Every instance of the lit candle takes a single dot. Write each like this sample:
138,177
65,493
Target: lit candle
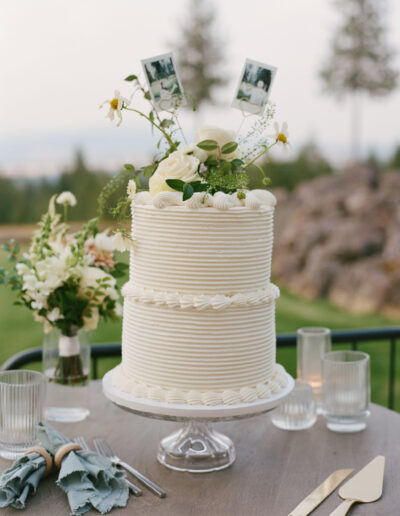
312,344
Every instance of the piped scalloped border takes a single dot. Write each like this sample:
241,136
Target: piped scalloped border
254,199
200,301
262,390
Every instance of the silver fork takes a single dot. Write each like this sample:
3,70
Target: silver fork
133,489
104,448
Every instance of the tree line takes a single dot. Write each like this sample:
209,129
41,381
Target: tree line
25,200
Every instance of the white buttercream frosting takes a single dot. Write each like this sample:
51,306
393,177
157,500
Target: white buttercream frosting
220,200
199,310
247,394
201,251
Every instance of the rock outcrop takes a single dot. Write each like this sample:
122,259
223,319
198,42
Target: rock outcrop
339,237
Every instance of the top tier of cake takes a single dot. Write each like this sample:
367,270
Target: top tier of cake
201,251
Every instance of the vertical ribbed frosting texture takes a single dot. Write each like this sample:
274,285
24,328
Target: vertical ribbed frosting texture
199,310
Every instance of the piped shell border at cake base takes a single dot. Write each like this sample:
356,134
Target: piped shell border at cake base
208,398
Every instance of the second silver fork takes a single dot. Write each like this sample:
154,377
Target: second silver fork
133,489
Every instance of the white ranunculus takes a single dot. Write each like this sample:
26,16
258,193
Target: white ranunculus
178,165
90,323
131,190
221,136
191,148
66,198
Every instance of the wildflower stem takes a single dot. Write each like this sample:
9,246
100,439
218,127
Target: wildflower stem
166,135
252,162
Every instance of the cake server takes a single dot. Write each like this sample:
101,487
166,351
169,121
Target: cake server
321,492
366,486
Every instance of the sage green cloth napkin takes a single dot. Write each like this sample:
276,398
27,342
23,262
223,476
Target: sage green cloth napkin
21,480
90,480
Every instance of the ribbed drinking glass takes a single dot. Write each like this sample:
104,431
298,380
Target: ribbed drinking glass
298,410
346,390
22,396
312,344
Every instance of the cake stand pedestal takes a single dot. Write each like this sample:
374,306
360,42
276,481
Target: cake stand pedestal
196,447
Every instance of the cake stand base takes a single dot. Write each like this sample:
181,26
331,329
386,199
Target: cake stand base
196,448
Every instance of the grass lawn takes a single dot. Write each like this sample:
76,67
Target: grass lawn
18,331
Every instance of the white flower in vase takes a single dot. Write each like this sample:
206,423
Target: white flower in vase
281,134
131,189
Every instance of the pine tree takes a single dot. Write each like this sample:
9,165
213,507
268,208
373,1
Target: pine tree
200,53
360,60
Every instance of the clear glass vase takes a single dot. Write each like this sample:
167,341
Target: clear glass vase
66,364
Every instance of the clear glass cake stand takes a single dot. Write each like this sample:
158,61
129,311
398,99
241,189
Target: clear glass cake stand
196,447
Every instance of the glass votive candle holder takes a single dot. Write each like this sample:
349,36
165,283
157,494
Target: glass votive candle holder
346,390
312,344
298,410
22,394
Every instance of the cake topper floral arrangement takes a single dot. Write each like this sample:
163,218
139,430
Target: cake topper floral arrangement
219,159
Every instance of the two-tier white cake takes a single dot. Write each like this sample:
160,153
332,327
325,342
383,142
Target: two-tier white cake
199,308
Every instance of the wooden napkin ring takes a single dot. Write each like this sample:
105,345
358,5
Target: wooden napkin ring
45,454
62,452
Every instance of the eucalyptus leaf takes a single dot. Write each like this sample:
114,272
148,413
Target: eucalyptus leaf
229,147
207,145
147,95
148,171
131,78
188,191
237,162
129,166
176,184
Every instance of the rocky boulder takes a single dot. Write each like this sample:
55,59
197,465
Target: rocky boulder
339,237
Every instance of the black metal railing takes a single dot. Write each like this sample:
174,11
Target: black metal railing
351,337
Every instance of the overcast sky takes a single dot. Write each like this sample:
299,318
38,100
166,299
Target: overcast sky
61,58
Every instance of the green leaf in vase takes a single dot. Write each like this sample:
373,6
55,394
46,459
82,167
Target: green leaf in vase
207,145
229,147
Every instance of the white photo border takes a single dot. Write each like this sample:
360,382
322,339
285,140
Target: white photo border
244,105
144,62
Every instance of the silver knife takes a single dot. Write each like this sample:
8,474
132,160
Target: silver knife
321,492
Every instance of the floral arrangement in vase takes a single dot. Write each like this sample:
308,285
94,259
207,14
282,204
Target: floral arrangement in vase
218,161
68,282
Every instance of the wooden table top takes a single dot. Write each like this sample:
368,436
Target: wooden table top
273,472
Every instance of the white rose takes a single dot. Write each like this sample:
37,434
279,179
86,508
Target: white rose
178,165
131,190
221,136
120,243
54,315
104,242
66,198
90,323
195,151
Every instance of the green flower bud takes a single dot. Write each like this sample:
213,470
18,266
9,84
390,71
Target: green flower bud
266,181
241,196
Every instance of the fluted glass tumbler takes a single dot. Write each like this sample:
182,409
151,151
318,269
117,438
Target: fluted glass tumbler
312,344
346,390
22,395
298,410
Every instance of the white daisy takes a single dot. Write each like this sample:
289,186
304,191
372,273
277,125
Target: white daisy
281,134
116,105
